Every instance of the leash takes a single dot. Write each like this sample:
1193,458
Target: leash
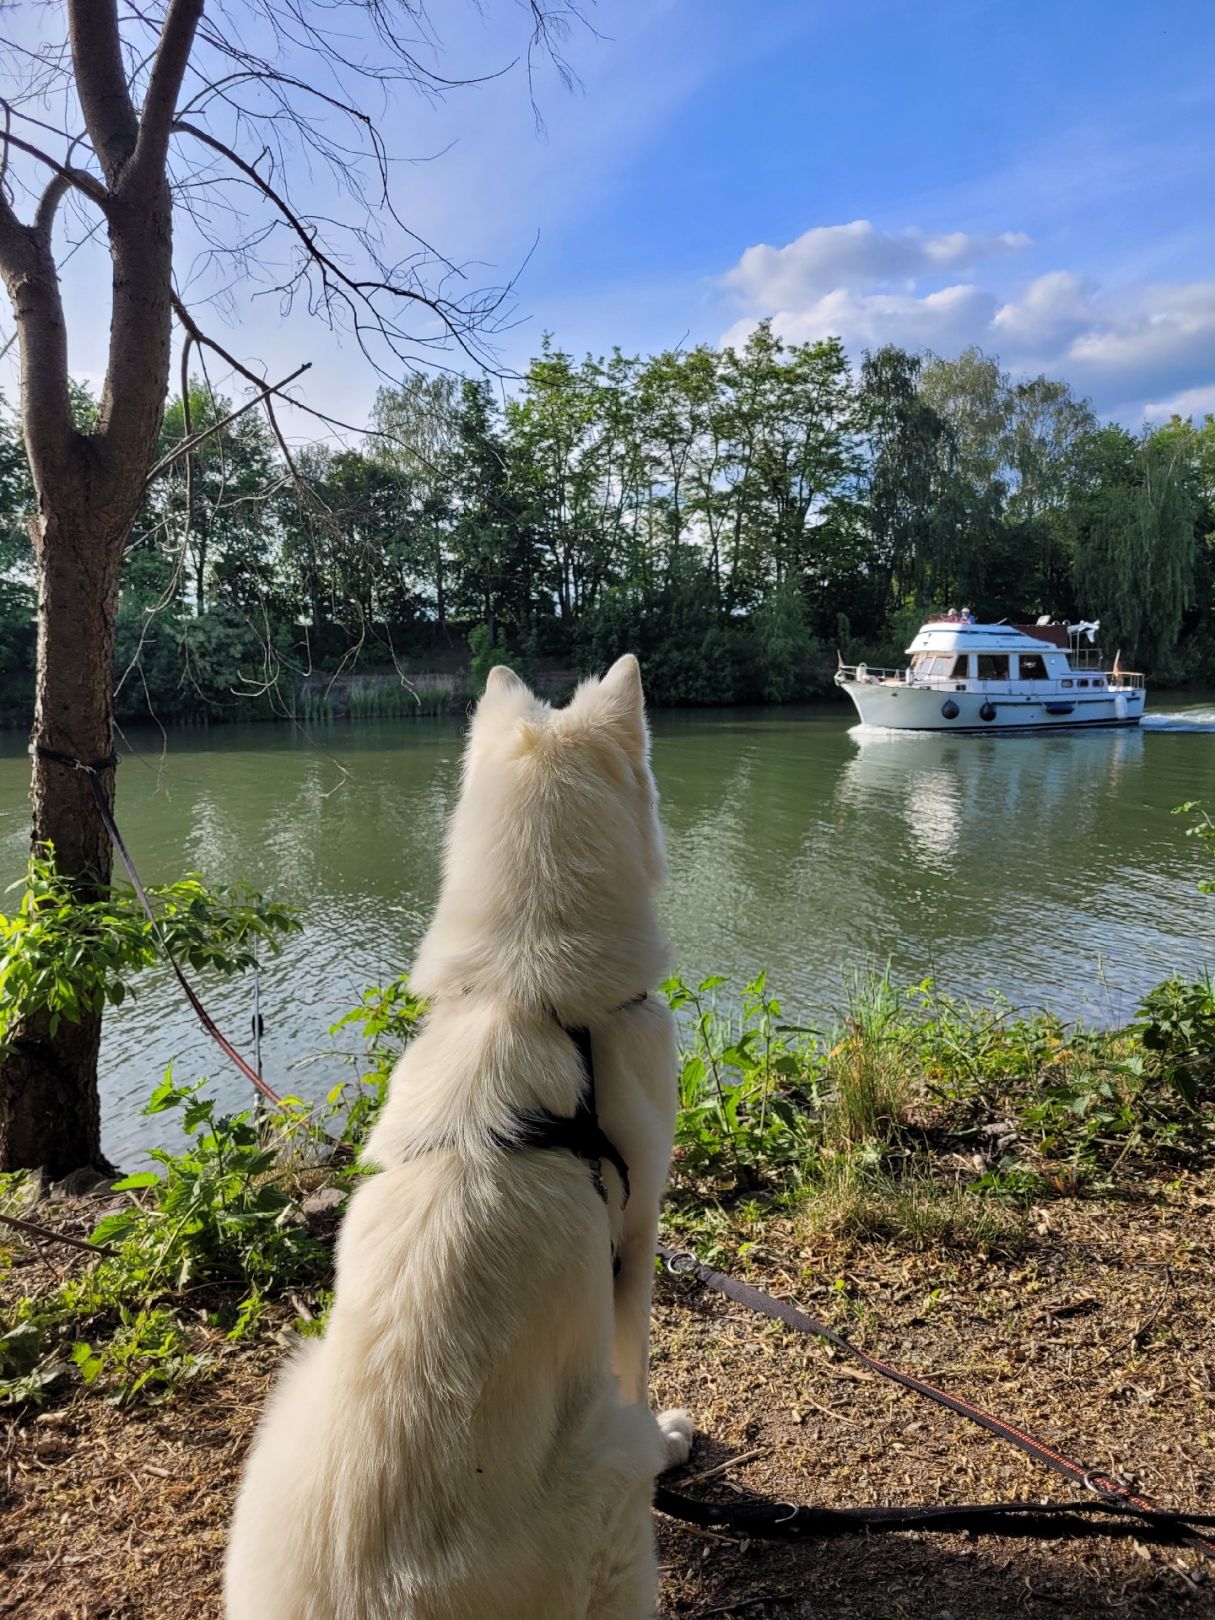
93,770
1118,1510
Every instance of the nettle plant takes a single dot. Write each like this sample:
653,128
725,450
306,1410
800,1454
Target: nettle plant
744,1089
386,1018
65,956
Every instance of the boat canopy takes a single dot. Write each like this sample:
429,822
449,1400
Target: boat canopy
955,636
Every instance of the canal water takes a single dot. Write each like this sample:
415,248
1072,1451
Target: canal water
1047,869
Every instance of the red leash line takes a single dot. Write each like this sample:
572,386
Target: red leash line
780,1311
204,1017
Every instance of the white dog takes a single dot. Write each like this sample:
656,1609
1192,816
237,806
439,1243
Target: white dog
472,1439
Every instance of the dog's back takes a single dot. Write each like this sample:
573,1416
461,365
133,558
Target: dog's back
456,1447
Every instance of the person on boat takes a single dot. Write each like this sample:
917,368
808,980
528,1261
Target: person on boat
967,616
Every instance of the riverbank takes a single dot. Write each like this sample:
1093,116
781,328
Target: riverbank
1021,1211
444,690
1097,1338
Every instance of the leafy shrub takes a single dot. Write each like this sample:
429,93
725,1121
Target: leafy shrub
1202,827
216,1212
64,954
1177,1026
223,1213
386,1018
743,1089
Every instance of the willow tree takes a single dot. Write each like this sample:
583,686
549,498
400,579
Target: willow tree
120,120
1134,546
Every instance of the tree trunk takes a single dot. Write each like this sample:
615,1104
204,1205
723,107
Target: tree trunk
50,1115
89,487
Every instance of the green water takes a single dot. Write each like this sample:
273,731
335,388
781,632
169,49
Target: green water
1046,868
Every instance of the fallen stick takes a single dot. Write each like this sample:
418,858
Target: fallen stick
49,1236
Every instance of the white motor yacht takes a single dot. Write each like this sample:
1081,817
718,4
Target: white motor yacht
965,676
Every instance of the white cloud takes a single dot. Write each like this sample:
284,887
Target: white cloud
948,319
855,255
1196,402
1152,330
1124,346
1052,309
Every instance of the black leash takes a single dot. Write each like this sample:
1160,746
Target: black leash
1047,1521
1118,1509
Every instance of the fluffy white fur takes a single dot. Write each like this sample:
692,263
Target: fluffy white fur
472,1439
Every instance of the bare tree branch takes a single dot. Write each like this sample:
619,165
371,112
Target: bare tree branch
67,176
204,340
193,440
164,85
101,82
14,239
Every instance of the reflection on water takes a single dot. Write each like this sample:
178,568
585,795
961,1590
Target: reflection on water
946,788
1048,868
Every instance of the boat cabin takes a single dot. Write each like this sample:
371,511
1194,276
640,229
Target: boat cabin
987,652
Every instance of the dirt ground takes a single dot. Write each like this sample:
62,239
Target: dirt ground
1099,1339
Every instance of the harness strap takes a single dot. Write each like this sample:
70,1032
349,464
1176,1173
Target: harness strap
579,1133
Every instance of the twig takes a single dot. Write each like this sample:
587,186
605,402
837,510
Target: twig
745,1603
1145,1322
721,1468
46,1233
196,439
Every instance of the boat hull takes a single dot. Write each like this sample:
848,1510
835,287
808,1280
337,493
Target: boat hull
899,707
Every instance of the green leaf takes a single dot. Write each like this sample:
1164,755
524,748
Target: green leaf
141,1178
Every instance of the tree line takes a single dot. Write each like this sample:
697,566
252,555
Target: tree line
735,516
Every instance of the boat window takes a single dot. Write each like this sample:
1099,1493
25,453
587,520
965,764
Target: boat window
1067,683
1033,667
958,672
930,665
991,666
1098,680
1082,683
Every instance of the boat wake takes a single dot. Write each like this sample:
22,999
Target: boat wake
1196,720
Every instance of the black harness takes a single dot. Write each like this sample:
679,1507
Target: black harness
579,1133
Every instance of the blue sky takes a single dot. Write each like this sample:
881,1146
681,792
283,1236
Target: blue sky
1031,177
1054,161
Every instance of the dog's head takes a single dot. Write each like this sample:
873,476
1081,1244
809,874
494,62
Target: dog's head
554,851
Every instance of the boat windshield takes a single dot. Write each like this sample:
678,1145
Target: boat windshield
928,666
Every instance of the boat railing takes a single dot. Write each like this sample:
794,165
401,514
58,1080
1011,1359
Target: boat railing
870,675
877,675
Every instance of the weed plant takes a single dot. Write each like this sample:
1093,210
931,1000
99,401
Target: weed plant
915,1120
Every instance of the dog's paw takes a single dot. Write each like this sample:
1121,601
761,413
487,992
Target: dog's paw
677,1429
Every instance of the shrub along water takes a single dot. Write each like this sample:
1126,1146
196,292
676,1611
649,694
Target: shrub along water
916,1120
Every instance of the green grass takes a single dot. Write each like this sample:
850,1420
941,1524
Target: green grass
382,698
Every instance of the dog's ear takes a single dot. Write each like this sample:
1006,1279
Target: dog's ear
621,700
503,682
506,697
